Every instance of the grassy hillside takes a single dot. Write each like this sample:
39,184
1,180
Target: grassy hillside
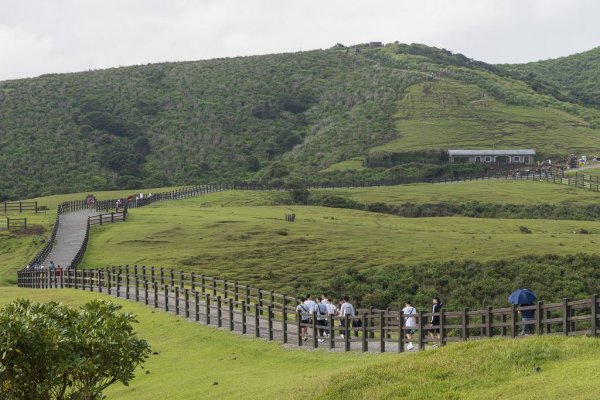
199,362
576,76
449,114
268,118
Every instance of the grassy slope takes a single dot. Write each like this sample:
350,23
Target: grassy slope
576,75
497,192
449,114
192,358
254,244
534,368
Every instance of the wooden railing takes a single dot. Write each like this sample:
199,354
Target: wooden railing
270,315
18,206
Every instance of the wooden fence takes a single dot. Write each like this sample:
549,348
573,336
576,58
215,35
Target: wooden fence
14,224
270,315
18,206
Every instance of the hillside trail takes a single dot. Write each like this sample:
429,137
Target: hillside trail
69,237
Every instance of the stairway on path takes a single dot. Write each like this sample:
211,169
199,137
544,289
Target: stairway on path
69,237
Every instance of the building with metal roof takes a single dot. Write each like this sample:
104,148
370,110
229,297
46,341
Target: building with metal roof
516,156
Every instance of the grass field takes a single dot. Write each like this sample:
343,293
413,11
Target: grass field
492,191
196,362
254,244
447,114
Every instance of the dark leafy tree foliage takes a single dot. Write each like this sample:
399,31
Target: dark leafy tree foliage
51,351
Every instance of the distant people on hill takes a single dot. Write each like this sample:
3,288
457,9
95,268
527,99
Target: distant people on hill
409,323
302,311
434,333
90,201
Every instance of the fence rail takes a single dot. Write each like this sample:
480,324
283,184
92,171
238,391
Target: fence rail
272,316
14,224
18,206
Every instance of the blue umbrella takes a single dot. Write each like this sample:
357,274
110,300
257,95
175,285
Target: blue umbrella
522,296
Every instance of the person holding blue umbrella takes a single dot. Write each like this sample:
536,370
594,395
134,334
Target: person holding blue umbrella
524,298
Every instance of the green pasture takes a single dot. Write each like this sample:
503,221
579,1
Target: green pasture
196,362
255,244
352,164
447,114
489,191
588,172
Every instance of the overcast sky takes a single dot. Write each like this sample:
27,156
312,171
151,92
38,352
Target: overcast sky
43,36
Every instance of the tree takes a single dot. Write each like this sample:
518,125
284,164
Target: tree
51,351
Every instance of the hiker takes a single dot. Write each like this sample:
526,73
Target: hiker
322,318
345,309
409,323
303,311
311,306
59,270
331,310
434,333
51,266
527,316
118,205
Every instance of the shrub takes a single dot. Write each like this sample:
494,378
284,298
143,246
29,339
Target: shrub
524,229
51,351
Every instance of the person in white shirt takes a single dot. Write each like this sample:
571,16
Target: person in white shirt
409,323
345,309
310,304
302,311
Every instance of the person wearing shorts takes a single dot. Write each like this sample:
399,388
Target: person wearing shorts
303,314
434,333
409,323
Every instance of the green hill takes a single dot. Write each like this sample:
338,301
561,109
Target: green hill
271,118
575,77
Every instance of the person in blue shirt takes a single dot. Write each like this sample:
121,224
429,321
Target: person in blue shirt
527,316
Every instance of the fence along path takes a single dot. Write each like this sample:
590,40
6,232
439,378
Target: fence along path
380,330
271,316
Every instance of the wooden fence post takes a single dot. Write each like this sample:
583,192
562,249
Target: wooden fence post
166,293
243,317
566,315
197,305
155,286
270,320
400,331
314,329
513,321
256,320
364,321
299,323
346,333
146,292
421,331
283,317
489,322
219,312
207,299
330,325
539,327
594,312
231,326
176,300
186,297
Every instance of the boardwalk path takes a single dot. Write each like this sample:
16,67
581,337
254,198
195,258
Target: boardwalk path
69,237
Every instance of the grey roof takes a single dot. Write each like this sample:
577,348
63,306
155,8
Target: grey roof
520,152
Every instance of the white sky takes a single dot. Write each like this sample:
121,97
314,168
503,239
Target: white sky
43,36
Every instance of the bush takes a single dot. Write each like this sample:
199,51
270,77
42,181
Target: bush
51,351
524,229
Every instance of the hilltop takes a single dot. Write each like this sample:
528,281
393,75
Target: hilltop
275,118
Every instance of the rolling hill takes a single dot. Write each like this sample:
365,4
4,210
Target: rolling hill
273,118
